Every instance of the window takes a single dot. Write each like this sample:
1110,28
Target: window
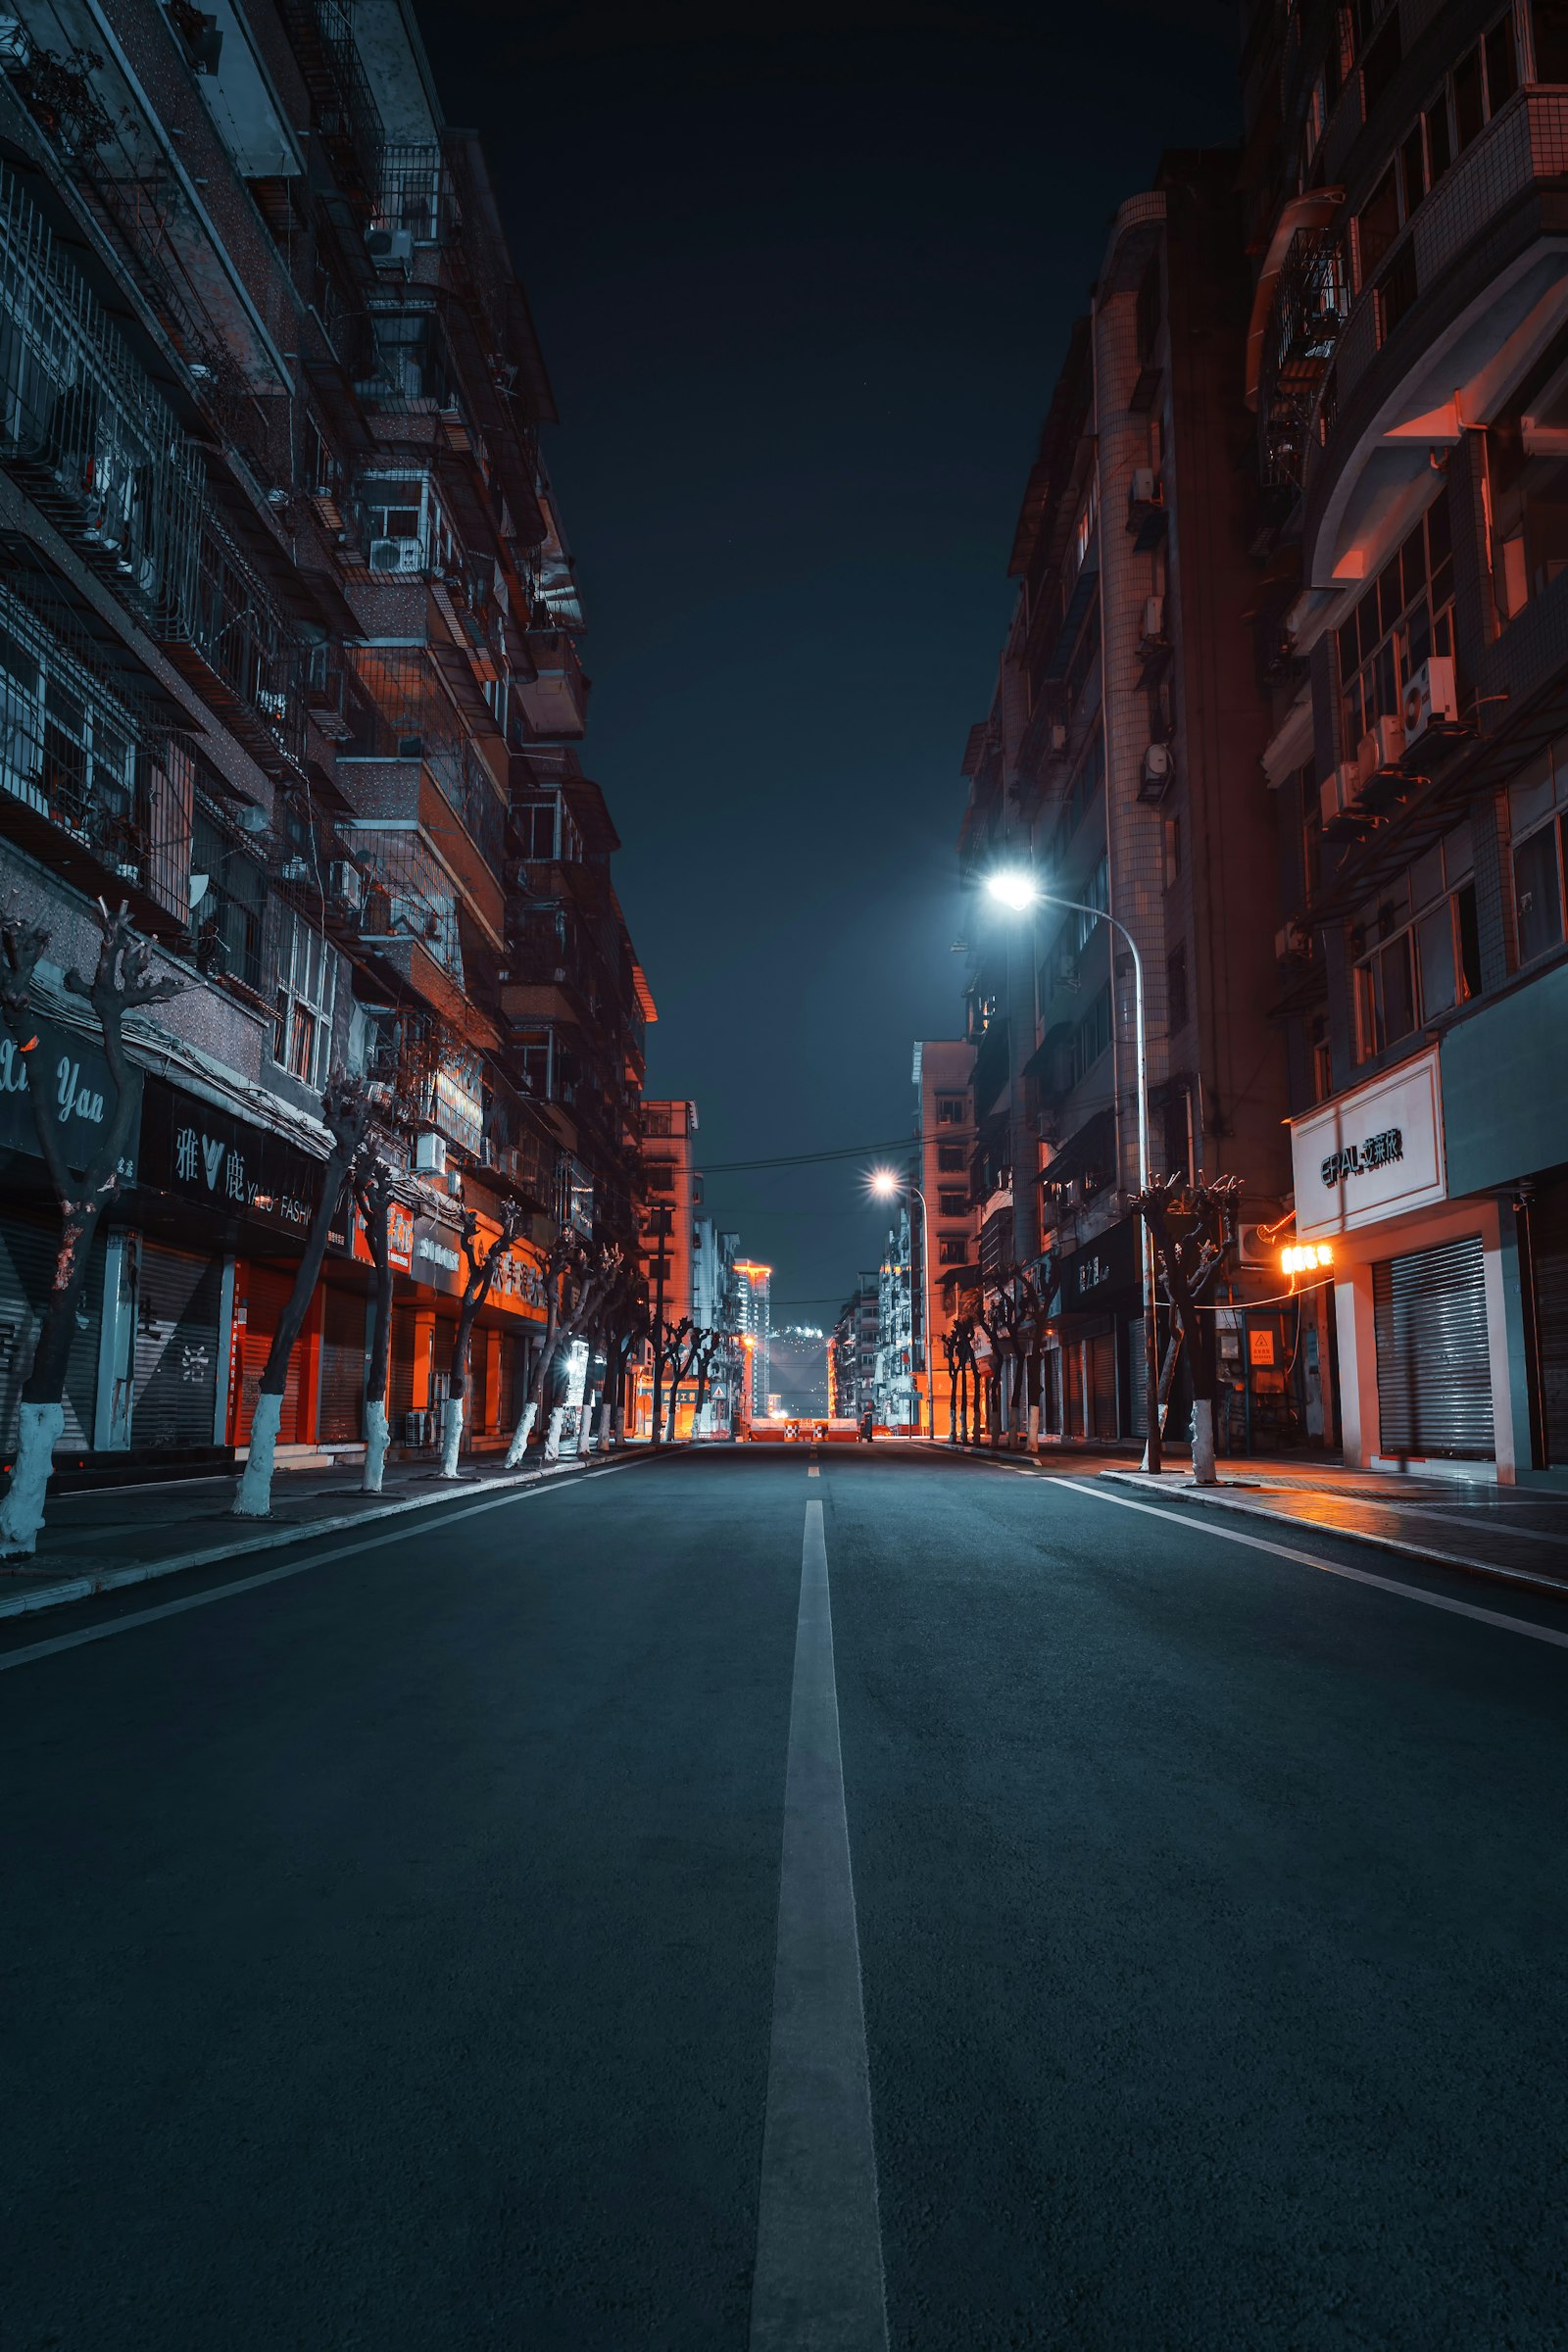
1549,25
1414,970
1321,1055
950,1158
1537,871
1381,62
306,990
1091,1036
1377,225
1173,851
1527,484
1176,989
952,1249
1404,617
949,1110
1094,893
1469,110
228,913
952,1204
1086,778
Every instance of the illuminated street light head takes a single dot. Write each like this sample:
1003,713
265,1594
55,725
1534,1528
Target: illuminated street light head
1014,888
884,1183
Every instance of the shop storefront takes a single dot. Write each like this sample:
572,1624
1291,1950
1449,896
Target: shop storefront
1098,1329
1418,1278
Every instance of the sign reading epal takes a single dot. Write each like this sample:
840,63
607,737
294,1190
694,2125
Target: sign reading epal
1372,1154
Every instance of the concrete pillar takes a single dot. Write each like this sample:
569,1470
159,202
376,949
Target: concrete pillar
117,1345
490,1340
1359,1366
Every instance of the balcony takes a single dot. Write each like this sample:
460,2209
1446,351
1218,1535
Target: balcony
1465,301
555,701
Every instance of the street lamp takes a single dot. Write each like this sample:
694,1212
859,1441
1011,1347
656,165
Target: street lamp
886,1185
1015,888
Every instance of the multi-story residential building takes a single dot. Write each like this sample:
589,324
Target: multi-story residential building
287,662
944,1240
1119,763
853,1352
1408,362
896,1402
715,1310
753,1327
670,1188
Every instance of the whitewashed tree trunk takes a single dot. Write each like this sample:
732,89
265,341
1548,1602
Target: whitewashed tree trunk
1203,1471
21,1512
1033,1429
521,1436
254,1499
377,1438
451,1435
585,1432
558,1414
606,1415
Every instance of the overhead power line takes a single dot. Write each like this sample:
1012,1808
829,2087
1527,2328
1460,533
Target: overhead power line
802,1160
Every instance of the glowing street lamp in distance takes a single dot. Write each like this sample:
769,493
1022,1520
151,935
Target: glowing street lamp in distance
1015,888
884,1183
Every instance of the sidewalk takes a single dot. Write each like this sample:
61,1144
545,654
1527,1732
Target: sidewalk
102,1539
1515,1534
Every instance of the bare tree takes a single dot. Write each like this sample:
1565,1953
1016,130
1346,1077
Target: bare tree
372,1190
709,1345
346,1112
675,1353
475,1291
1187,1261
560,1259
122,981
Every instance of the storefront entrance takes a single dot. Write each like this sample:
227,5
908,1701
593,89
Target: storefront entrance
1433,1362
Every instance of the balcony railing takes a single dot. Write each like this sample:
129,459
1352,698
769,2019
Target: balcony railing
1311,302
415,192
347,118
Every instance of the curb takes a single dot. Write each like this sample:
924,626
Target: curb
1492,1570
146,1572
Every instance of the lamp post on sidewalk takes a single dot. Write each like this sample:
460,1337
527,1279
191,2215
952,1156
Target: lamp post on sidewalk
1015,888
886,1185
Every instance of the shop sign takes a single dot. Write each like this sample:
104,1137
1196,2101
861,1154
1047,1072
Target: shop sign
77,1086
1374,1154
437,1259
399,1239
194,1152
1106,1275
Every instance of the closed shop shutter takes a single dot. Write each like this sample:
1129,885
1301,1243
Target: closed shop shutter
1103,1377
29,1248
266,1291
480,1383
175,1381
1434,1368
400,1372
343,1340
1548,1239
1072,1357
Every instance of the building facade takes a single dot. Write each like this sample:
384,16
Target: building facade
289,631
753,1329
1119,766
1407,362
894,1393
945,1238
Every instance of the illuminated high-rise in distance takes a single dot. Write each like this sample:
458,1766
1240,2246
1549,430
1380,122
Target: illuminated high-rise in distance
752,1285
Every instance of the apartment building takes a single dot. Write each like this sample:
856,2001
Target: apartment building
852,1354
1407,362
288,663
945,1237
754,1330
1119,769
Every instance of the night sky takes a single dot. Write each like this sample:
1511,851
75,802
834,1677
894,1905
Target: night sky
803,276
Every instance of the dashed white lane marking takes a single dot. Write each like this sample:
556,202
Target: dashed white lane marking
388,1533
813,1471
817,2280
1307,1559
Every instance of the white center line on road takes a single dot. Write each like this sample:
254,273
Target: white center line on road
1307,1559
813,1471
817,2282
388,1533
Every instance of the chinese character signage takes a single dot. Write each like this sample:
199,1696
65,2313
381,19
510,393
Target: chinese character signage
74,1080
197,1153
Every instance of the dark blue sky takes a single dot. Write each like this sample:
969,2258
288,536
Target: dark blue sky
802,288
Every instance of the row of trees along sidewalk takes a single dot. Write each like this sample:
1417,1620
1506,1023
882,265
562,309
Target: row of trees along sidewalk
592,1291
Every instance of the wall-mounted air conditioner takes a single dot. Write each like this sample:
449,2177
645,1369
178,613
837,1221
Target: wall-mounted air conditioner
1158,773
1339,792
346,884
1145,489
1382,745
1428,698
1154,620
430,1153
390,248
397,554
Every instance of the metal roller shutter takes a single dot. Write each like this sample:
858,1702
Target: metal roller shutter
1102,1375
1548,1238
29,1248
1434,1369
343,1345
266,1294
174,1375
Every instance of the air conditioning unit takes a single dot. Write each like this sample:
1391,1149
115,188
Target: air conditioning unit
1428,698
1058,739
397,554
1383,746
1145,489
1158,773
1154,620
1289,942
430,1153
346,884
249,819
294,869
390,248
1256,1246
1339,792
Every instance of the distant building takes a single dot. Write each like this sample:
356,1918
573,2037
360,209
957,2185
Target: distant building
949,1242
853,1352
798,1358
666,1230
751,1324
893,1384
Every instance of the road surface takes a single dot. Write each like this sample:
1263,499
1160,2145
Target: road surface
741,1900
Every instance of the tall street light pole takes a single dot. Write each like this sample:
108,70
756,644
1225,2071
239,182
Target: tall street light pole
886,1185
1020,891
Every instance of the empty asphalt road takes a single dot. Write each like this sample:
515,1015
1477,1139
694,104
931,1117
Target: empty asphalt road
738,1900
